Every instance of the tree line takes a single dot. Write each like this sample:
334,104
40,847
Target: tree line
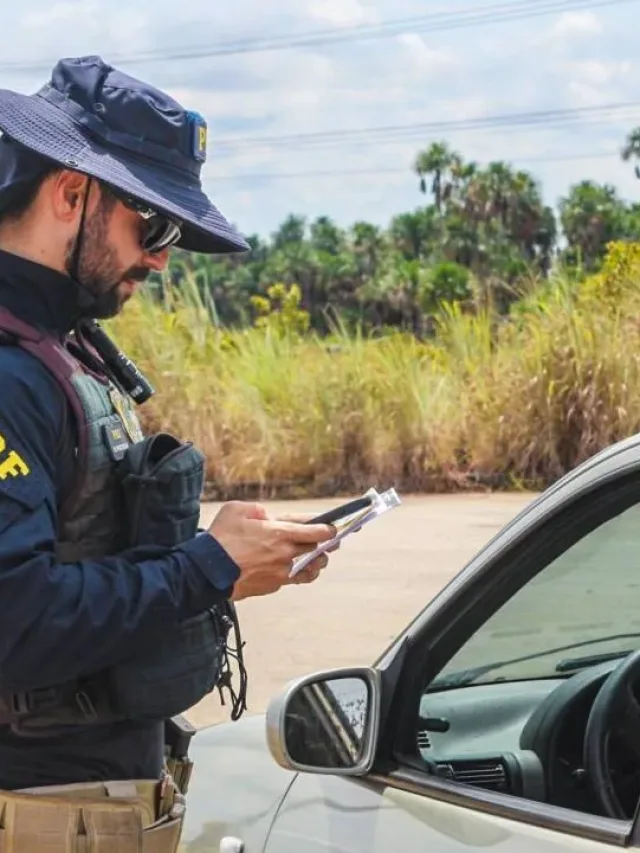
483,235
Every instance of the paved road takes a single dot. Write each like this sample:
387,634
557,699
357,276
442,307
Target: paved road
374,586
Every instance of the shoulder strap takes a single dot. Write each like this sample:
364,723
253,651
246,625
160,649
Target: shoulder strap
61,364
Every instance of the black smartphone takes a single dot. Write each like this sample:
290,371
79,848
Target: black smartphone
342,511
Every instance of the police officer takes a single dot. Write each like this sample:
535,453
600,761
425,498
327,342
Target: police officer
99,177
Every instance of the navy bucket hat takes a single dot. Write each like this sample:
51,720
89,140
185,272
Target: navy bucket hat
94,119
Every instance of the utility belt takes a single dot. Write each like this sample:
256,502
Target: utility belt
132,816
139,816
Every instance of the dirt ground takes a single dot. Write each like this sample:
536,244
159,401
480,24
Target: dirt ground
373,587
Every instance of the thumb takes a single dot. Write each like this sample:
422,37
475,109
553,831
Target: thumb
255,511
243,509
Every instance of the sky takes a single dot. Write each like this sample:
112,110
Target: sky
581,53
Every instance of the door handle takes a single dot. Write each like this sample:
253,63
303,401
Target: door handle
230,844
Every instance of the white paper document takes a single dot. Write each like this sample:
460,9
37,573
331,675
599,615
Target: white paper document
381,503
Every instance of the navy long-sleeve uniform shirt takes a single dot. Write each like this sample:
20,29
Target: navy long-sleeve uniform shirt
60,621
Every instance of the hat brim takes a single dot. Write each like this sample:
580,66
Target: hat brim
41,127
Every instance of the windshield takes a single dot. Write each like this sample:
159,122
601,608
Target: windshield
584,604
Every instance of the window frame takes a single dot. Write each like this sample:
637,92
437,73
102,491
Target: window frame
432,641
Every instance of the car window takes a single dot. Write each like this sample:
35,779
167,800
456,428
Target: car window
585,603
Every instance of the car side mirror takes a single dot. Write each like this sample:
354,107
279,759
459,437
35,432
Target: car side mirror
327,722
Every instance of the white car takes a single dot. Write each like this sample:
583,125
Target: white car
505,717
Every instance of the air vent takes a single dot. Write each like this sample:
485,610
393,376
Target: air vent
423,740
490,773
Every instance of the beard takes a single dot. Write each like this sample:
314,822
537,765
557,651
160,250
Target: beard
100,294
99,276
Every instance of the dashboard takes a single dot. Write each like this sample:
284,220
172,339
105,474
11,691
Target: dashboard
524,738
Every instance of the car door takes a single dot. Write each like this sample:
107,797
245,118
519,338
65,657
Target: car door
335,815
564,576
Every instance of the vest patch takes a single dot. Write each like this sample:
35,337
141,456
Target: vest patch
122,406
11,463
115,439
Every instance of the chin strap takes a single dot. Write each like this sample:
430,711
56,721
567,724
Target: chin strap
85,298
74,272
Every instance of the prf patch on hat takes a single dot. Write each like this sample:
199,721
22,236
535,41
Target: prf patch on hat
199,137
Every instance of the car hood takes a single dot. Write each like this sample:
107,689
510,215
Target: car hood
235,783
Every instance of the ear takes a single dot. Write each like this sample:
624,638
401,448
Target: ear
68,190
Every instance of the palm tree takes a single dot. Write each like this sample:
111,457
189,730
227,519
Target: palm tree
415,234
591,216
291,231
367,244
631,149
438,160
326,236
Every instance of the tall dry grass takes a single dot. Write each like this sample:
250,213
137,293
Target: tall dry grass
515,402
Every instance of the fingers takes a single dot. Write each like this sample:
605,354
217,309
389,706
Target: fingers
244,509
265,549
256,510
295,517
301,550
311,572
307,576
309,534
293,550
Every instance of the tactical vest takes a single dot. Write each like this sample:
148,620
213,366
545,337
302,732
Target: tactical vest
91,520
104,513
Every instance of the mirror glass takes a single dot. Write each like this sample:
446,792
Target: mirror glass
327,723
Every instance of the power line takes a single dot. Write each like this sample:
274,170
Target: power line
331,173
420,140
435,22
439,22
418,137
532,120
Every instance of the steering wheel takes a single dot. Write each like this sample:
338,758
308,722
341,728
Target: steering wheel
614,706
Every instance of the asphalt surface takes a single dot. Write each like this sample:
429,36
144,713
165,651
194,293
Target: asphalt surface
373,587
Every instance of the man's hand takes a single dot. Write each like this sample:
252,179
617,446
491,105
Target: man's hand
264,549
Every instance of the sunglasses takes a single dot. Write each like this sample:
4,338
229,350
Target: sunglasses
160,230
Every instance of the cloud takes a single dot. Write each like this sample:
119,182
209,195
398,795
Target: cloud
71,27
576,23
592,82
60,13
408,79
342,13
426,58
598,72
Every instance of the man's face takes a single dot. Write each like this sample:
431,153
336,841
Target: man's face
112,263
